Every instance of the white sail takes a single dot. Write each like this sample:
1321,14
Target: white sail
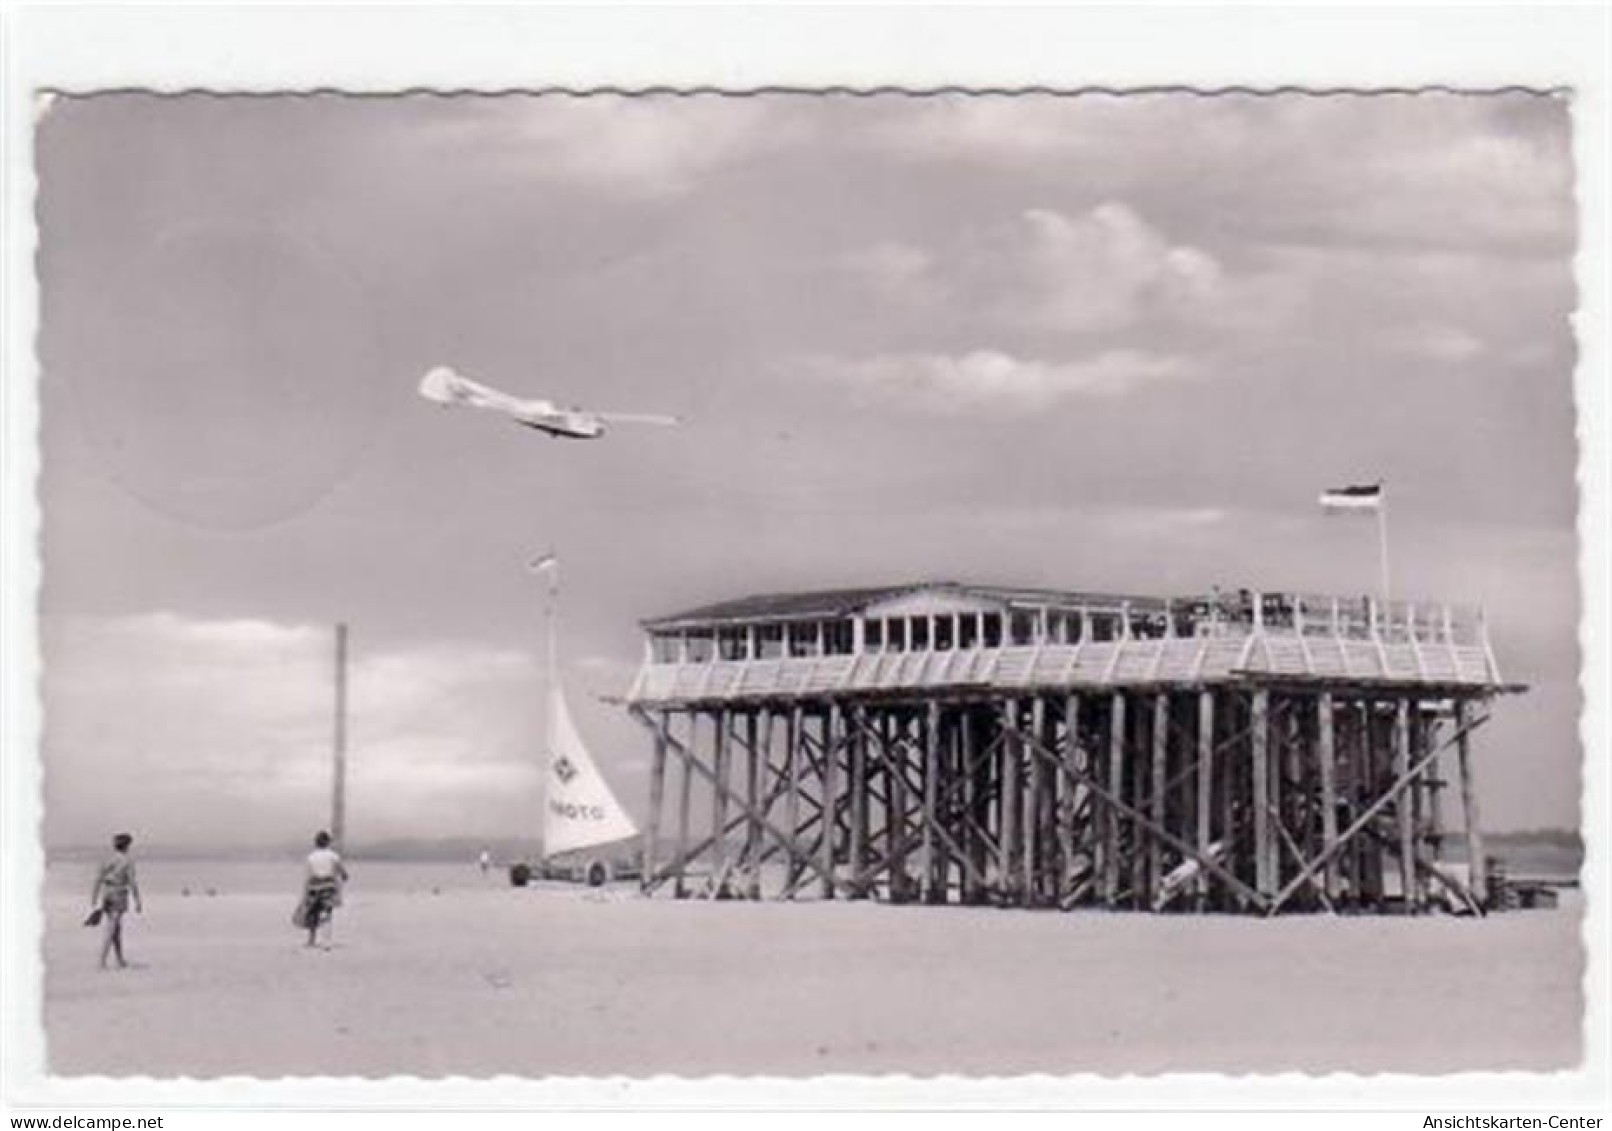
579,811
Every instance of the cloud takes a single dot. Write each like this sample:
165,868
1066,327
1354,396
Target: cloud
1443,343
1105,270
636,147
191,730
994,382
1421,170
898,271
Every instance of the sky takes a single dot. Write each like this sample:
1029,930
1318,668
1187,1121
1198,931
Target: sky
1094,342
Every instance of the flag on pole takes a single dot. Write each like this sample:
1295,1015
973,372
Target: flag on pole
1355,497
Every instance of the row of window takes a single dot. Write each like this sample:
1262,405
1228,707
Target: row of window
960,632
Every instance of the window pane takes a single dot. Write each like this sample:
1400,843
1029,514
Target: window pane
1023,627
993,630
838,637
770,641
920,633
700,647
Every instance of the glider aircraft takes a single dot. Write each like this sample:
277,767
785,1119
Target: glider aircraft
453,390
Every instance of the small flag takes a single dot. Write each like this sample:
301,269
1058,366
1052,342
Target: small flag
1353,498
543,563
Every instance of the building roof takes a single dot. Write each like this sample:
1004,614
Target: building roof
817,604
829,603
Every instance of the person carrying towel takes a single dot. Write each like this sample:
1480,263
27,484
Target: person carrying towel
115,886
321,892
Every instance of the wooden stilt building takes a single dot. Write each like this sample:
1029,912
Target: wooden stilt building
1244,751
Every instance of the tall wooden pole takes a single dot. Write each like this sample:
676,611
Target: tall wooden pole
657,794
857,737
934,862
1422,795
752,796
338,785
1008,835
1041,860
794,735
830,820
1374,745
1326,752
1206,785
894,759
1140,737
1161,739
684,800
1382,543
1404,805
719,806
1116,788
1264,882
1479,871
1435,780
1032,781
549,565
972,842
1064,814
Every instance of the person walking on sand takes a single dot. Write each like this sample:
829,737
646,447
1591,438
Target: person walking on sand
115,886
321,892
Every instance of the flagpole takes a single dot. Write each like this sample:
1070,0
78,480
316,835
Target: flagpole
551,667
1382,542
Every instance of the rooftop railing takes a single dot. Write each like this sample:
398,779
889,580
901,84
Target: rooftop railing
1235,613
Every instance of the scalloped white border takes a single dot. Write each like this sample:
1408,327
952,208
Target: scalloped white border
383,49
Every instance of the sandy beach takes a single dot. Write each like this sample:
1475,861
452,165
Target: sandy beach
437,970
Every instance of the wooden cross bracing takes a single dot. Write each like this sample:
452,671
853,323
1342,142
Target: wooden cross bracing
1241,796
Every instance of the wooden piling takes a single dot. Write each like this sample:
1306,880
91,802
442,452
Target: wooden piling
1009,807
858,798
1069,836
794,736
1116,788
1137,850
684,800
831,738
752,794
934,862
1326,753
338,778
973,796
1264,881
1403,818
1040,849
719,806
1478,881
1206,787
1158,790
650,866
893,757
